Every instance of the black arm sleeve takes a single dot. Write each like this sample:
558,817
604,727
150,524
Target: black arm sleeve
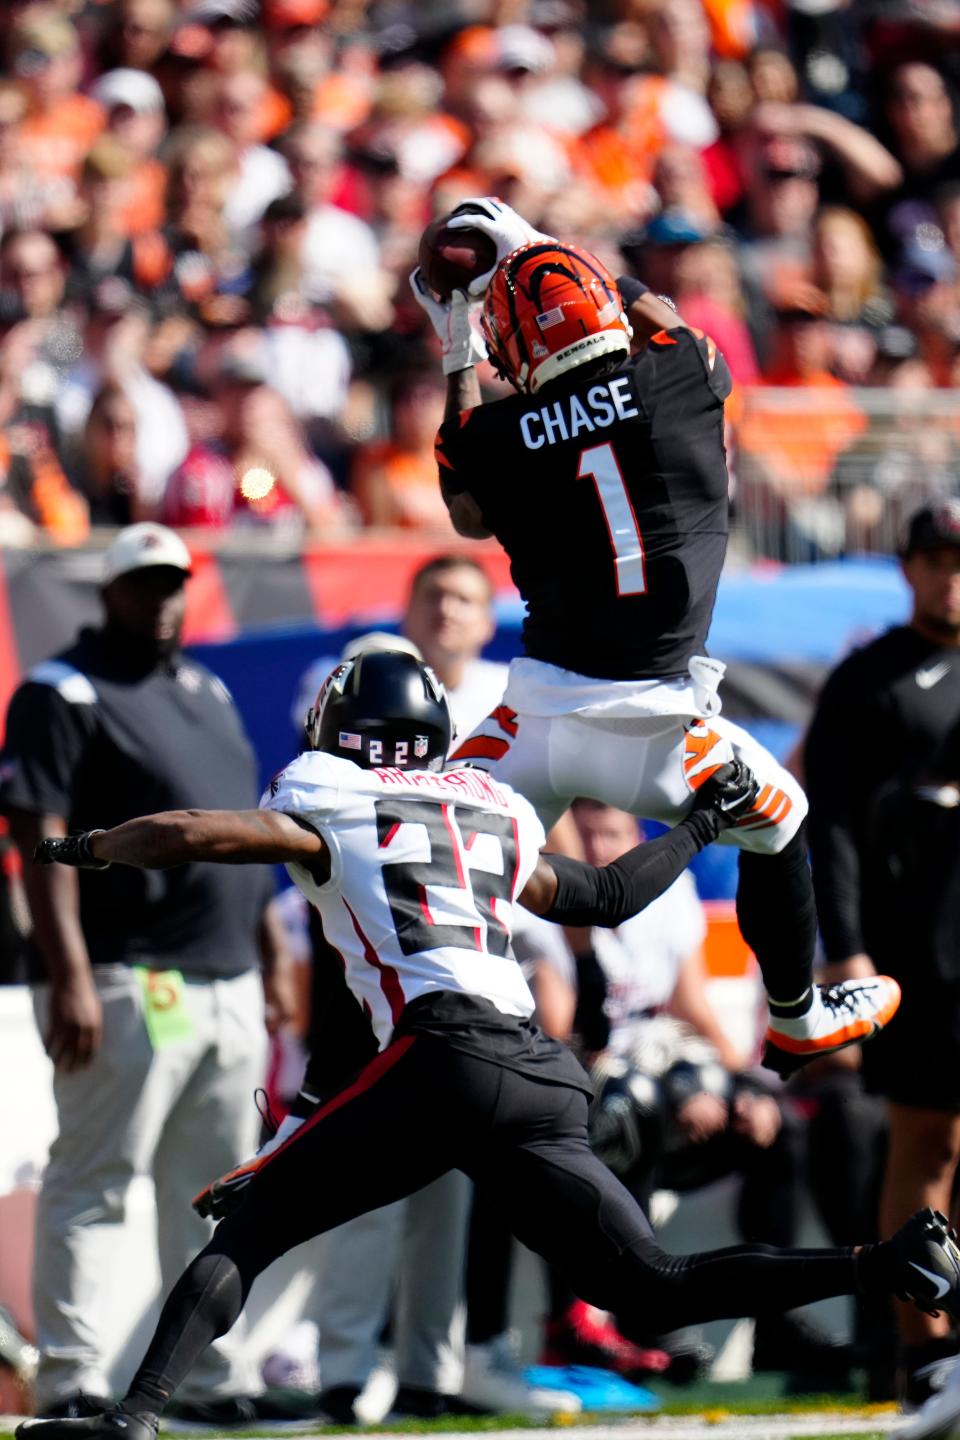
588,895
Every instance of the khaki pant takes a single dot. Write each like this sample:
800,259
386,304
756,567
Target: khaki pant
183,1114
416,1247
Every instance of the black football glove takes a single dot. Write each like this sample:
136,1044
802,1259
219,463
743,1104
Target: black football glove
730,793
70,850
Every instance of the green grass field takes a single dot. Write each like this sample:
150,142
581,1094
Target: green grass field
711,1407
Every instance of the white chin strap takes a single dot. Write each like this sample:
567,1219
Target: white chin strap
591,347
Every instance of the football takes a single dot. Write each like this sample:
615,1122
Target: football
450,259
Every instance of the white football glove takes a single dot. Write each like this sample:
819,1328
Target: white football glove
462,345
506,229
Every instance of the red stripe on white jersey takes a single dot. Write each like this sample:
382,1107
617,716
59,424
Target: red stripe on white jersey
368,1077
389,979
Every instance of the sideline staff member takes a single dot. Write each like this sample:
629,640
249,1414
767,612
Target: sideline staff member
152,1010
878,730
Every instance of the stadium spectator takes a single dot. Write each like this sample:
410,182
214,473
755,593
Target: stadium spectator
33,276
394,481
307,359
114,345
60,124
136,118
919,107
680,180
658,249
709,295
847,269
153,1065
262,174
793,447
99,246
209,264
143,32
340,255
782,196
259,468
34,491
880,725
731,100
26,198
106,471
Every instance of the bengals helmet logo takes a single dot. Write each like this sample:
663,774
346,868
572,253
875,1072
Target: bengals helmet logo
549,308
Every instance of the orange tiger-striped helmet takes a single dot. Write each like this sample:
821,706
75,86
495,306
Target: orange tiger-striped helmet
549,308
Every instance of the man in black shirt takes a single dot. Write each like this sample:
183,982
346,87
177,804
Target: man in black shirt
880,724
605,480
148,996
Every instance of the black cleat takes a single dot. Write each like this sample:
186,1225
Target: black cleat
928,1263
112,1424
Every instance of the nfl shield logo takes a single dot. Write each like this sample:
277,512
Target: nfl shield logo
420,744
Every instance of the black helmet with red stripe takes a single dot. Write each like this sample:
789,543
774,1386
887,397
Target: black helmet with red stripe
383,707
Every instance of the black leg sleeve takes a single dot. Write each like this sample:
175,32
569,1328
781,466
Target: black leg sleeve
778,917
563,1202
365,1148
203,1304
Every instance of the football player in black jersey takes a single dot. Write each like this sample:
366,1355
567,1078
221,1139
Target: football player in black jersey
604,478
462,1078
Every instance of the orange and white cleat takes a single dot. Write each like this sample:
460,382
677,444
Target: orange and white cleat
847,1014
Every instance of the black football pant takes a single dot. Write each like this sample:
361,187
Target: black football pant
421,1108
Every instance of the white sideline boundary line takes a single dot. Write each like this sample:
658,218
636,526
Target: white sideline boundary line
656,1427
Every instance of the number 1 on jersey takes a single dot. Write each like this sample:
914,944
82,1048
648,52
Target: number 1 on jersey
599,463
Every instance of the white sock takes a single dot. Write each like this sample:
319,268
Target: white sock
800,1027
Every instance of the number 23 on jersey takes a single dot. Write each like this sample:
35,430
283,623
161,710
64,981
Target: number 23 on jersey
472,852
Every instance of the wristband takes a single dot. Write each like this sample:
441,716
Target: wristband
631,288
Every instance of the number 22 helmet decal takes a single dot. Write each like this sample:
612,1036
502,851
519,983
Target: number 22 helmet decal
384,707
548,309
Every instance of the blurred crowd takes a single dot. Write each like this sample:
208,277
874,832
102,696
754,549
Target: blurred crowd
209,210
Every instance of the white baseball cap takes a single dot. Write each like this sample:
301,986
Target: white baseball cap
378,640
136,89
140,546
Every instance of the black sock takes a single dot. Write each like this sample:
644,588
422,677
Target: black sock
914,1357
877,1269
778,919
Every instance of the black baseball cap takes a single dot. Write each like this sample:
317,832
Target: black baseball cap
933,525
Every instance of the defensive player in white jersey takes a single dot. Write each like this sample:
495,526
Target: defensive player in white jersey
414,871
